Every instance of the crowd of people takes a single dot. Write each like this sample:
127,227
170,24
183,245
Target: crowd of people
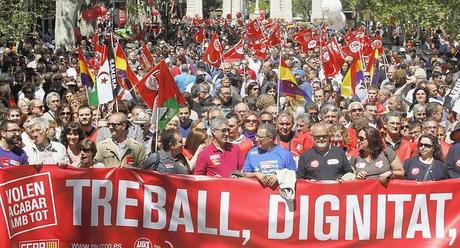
236,122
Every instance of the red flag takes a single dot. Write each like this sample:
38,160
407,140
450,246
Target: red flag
125,75
145,57
199,36
329,65
259,49
213,55
353,49
275,37
148,86
377,44
235,53
336,52
253,30
303,36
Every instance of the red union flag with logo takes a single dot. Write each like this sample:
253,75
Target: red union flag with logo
213,55
118,207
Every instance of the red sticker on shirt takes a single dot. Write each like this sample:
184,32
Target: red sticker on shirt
129,160
415,171
379,164
314,163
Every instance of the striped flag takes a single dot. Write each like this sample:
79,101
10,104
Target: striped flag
352,78
125,76
87,77
288,84
373,67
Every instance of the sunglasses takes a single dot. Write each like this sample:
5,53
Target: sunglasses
357,110
425,145
320,137
252,121
360,138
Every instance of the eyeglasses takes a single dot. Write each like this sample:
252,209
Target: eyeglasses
360,138
252,121
115,124
425,145
404,127
65,113
266,121
13,130
357,110
224,130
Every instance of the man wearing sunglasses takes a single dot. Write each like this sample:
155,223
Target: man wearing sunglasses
323,161
221,157
119,150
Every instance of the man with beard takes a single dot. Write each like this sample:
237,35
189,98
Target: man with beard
323,161
85,117
10,153
221,157
185,123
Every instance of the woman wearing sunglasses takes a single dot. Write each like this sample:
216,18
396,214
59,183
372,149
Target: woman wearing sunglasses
427,165
374,160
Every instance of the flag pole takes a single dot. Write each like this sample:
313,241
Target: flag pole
87,95
279,82
155,114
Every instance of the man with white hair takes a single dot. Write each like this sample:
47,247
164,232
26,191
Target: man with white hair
221,157
53,101
43,150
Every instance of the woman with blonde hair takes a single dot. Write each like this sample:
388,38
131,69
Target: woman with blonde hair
339,137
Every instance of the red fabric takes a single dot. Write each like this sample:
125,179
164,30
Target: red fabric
145,57
235,53
213,55
199,36
245,146
445,149
353,142
406,150
253,30
135,208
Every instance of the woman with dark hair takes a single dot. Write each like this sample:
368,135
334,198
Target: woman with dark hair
420,95
71,136
169,158
272,90
88,151
253,89
376,161
63,118
195,143
427,165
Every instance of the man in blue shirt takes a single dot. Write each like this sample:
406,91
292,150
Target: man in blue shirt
184,79
263,161
10,153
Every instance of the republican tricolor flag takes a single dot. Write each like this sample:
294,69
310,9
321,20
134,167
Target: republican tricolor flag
87,77
288,84
352,78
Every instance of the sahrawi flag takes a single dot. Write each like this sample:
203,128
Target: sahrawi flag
102,92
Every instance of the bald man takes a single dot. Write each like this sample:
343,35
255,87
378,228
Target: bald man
323,161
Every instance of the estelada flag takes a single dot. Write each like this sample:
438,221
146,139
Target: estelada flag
235,53
146,57
199,36
213,54
253,30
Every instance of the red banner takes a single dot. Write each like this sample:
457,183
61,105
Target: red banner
116,208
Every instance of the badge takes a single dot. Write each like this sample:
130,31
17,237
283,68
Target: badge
360,165
333,161
299,147
169,166
129,160
457,163
379,164
215,159
415,171
314,163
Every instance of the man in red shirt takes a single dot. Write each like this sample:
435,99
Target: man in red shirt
393,138
221,157
288,139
